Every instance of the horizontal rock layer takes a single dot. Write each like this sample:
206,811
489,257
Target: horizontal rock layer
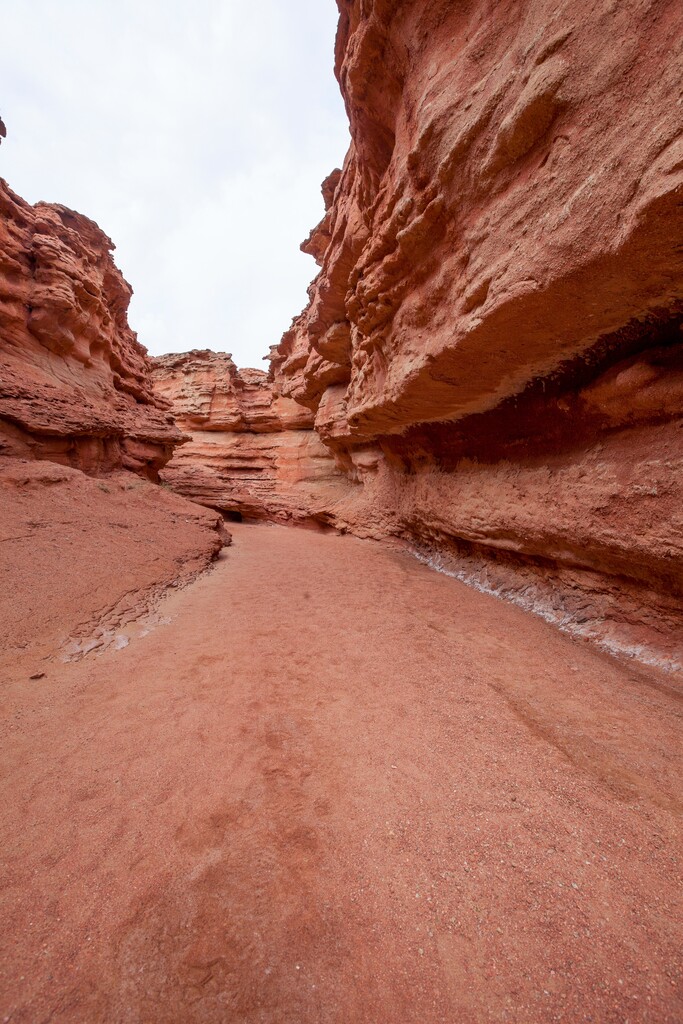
511,197
75,385
493,344
252,453
492,349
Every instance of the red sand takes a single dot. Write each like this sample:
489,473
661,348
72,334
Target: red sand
339,787
81,556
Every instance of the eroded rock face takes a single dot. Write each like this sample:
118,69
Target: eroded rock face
75,385
85,558
253,453
511,196
493,343
492,348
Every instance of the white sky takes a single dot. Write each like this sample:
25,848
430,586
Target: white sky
196,134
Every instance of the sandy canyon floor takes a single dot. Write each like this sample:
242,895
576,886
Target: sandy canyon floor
331,785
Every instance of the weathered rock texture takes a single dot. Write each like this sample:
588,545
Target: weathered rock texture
510,198
253,453
492,348
75,385
80,557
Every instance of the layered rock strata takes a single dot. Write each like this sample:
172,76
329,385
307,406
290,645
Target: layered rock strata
82,558
253,454
493,344
75,385
510,199
492,348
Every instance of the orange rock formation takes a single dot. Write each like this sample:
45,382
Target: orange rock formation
74,381
492,347
333,786
80,557
253,452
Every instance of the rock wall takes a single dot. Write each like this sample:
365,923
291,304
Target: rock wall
82,558
492,349
253,454
75,383
510,200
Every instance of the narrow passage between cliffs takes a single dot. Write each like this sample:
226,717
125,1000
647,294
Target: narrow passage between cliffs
338,787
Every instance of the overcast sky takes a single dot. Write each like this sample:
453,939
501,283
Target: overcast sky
196,135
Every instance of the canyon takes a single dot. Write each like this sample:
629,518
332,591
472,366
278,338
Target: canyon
82,439
265,774
252,453
490,367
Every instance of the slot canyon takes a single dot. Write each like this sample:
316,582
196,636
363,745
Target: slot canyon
350,690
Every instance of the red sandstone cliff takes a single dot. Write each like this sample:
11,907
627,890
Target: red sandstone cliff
82,558
511,198
492,347
252,452
75,385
